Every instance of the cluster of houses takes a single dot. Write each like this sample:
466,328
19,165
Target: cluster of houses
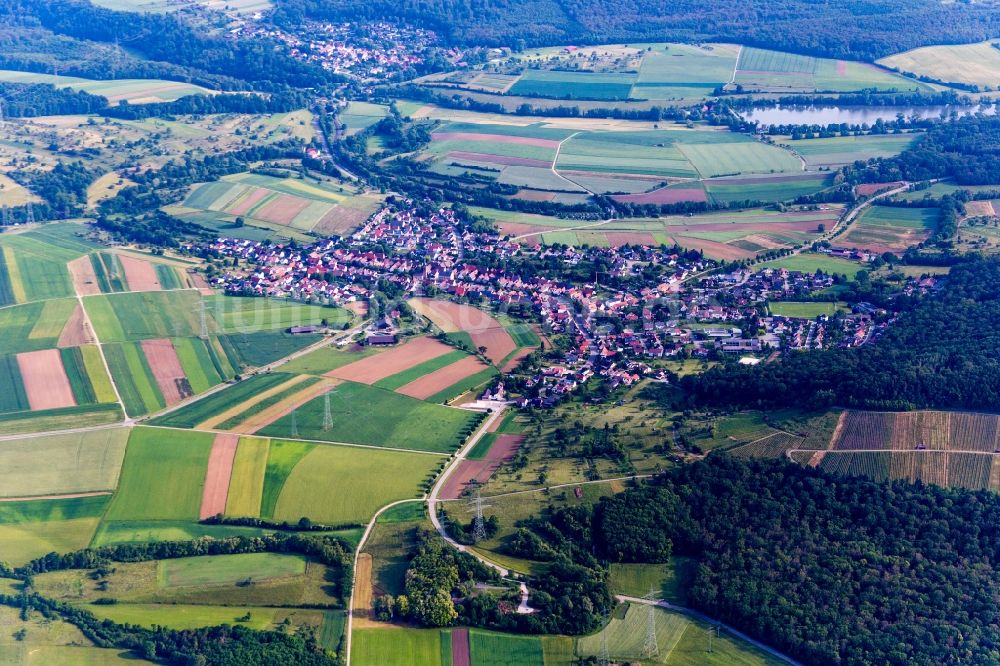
615,333
363,50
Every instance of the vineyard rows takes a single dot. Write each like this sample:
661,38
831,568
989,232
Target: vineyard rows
907,431
870,465
975,471
768,447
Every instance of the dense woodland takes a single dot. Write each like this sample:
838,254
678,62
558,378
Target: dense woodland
831,570
860,29
967,150
942,351
166,38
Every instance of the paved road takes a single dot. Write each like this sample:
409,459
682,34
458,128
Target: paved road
704,618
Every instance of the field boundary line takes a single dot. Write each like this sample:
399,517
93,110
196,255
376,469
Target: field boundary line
104,360
57,496
736,65
963,451
555,162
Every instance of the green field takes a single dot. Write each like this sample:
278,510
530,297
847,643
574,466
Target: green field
573,85
193,414
398,647
33,326
370,415
488,648
667,581
804,310
145,531
325,359
34,528
680,639
134,91
246,485
893,216
62,464
134,378
394,382
810,262
841,150
970,64
179,616
163,475
341,484
282,457
761,69
227,569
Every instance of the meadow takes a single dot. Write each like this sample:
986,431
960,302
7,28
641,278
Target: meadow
368,415
285,206
133,91
810,262
30,529
162,477
680,640
339,484
889,229
841,150
62,464
399,647
227,569
969,64
804,310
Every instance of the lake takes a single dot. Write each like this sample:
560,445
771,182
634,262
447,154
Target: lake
853,115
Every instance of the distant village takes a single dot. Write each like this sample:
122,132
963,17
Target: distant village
361,50
620,335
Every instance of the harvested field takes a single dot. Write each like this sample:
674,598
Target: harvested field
435,382
270,387
484,330
497,341
496,138
372,369
217,475
140,275
282,210
363,585
467,472
453,317
516,359
45,381
81,271
460,654
77,331
979,209
167,370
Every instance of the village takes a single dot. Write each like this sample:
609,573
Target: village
648,306
365,51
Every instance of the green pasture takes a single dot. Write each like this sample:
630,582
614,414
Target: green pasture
370,415
810,262
804,310
227,569
836,151
147,531
342,484
163,475
63,463
398,647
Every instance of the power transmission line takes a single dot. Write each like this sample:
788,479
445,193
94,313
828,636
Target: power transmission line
651,649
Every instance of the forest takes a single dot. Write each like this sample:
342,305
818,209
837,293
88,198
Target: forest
967,150
942,351
166,38
829,570
856,29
